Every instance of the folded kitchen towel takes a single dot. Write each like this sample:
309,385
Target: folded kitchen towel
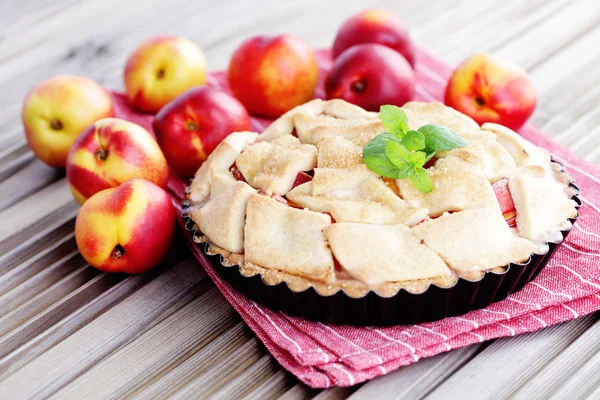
323,355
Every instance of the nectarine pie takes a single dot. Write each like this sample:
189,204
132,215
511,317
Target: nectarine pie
336,198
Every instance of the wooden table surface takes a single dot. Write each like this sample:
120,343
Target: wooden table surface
69,331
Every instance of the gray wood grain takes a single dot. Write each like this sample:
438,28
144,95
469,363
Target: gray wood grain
504,366
581,357
196,324
416,380
66,329
37,345
118,326
222,371
197,364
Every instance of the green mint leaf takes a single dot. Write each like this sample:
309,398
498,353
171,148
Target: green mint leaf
439,137
380,164
429,157
377,160
418,158
377,145
398,154
394,119
420,178
414,140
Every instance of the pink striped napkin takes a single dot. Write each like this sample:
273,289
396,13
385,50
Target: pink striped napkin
323,355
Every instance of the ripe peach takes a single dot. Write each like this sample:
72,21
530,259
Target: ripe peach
375,26
190,127
162,68
271,75
491,90
128,228
57,110
371,75
110,152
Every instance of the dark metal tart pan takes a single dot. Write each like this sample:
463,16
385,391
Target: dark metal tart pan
403,308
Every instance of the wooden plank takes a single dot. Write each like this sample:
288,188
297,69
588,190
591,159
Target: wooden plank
198,363
46,201
490,31
582,383
416,380
565,99
36,241
299,392
19,16
120,325
59,331
64,249
273,387
337,393
251,378
38,283
578,358
45,298
222,371
36,174
16,158
196,324
57,311
553,34
507,364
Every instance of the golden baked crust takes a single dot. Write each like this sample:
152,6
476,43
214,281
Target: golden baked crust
458,185
273,166
474,240
346,228
222,217
540,207
287,239
376,254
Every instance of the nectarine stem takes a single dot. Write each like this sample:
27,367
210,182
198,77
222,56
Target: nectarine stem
56,125
191,126
160,74
101,154
359,86
479,101
118,252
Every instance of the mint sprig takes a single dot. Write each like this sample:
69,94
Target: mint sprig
401,153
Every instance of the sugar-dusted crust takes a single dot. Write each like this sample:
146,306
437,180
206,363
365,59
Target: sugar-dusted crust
348,228
540,207
272,166
287,239
472,240
350,287
458,185
392,250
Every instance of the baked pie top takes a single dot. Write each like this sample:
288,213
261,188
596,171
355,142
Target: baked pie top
298,204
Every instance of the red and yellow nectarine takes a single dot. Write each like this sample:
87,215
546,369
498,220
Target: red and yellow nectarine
128,228
488,89
371,75
272,75
110,152
190,127
57,110
162,68
375,26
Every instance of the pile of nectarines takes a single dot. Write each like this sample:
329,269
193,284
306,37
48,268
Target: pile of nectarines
118,170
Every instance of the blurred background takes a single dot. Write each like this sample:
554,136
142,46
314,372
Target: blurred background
554,40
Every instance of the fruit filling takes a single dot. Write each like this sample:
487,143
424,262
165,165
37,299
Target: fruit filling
236,173
301,178
505,200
